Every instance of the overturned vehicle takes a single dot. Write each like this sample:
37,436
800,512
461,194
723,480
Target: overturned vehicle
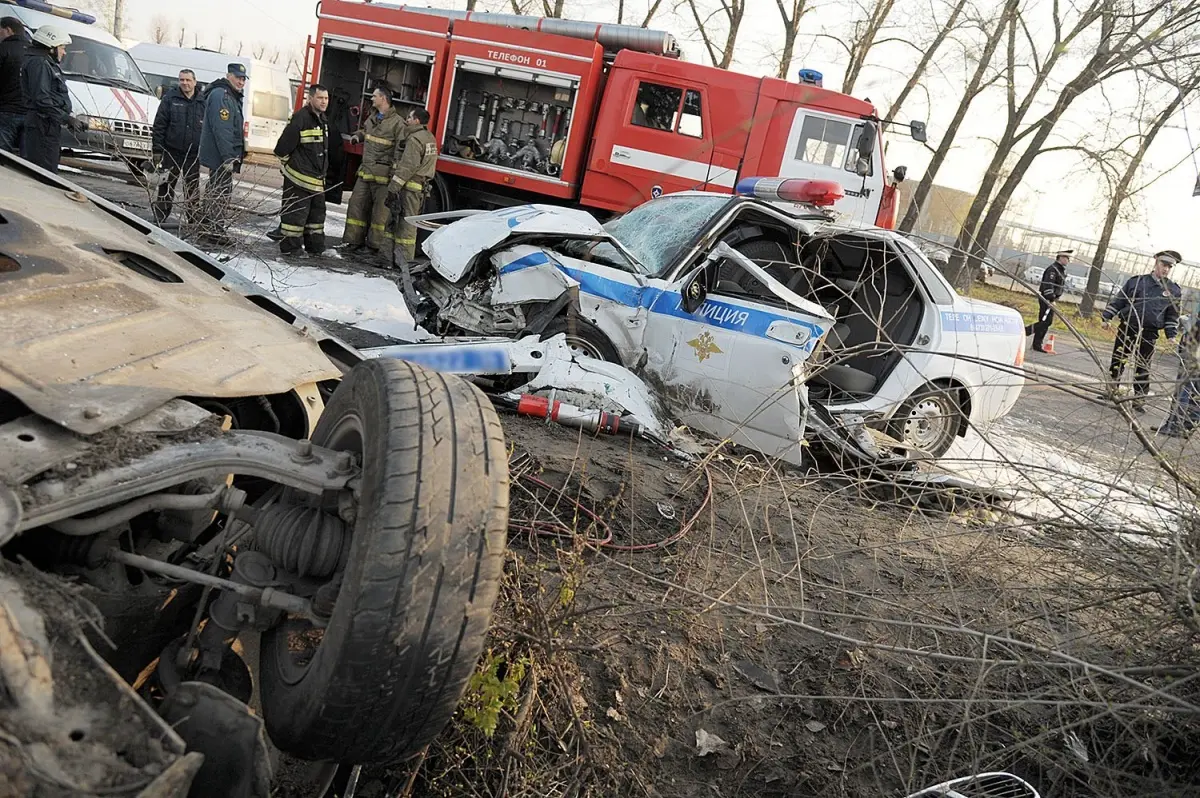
730,305
229,545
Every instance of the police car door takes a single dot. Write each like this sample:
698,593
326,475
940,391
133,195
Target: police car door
731,365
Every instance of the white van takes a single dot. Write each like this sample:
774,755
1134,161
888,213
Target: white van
267,105
107,88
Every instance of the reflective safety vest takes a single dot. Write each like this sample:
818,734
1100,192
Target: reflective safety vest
303,149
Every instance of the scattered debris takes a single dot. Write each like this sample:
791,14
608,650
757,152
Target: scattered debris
708,743
815,726
758,676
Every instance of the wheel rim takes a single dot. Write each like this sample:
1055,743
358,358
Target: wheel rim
582,346
931,423
300,638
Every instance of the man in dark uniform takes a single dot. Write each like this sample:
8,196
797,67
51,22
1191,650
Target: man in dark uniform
303,149
46,97
222,146
1147,304
1054,280
13,45
176,146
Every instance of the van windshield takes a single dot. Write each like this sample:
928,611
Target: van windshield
96,62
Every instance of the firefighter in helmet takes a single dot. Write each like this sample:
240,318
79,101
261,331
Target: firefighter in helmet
367,215
414,167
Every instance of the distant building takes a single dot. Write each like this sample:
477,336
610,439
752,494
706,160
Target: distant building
943,212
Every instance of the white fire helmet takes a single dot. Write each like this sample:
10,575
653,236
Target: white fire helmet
51,37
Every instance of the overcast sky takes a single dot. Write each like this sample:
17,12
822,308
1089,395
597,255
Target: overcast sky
1049,198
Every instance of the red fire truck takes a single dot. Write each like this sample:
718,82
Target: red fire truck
527,109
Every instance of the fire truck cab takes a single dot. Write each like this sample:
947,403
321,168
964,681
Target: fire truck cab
601,116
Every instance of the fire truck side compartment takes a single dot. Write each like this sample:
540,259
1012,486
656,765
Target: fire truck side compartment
527,110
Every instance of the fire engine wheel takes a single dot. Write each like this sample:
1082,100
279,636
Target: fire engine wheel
930,419
583,338
383,677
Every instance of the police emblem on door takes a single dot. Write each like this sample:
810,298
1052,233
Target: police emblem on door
705,346
656,192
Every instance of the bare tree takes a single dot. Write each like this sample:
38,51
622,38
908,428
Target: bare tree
182,35
195,40
259,50
650,13
221,42
732,12
241,46
160,29
790,12
1129,38
1124,189
975,86
918,72
863,35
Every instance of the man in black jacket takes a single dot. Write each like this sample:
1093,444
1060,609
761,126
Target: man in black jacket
176,144
1147,304
13,44
49,104
1054,281
303,149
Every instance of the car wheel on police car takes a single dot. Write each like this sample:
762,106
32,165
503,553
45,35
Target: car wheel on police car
583,338
409,612
929,420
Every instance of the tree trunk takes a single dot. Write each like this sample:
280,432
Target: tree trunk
471,5
791,29
959,269
926,57
1120,194
1086,78
947,141
736,12
862,48
650,12
620,12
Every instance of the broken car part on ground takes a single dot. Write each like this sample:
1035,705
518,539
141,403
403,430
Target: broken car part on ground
216,476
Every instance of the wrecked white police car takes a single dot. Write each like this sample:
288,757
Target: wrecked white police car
726,303
206,503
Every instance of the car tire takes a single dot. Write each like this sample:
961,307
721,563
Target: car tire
423,571
583,337
929,419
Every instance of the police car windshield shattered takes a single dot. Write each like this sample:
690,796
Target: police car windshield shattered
657,231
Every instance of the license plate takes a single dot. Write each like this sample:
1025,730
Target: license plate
136,144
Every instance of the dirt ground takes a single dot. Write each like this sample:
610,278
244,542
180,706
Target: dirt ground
798,635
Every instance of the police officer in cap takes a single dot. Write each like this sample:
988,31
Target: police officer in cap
1147,304
222,146
1054,280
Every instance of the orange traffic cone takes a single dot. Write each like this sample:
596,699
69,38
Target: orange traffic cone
1048,345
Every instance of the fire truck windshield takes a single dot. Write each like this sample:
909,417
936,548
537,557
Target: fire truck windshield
658,231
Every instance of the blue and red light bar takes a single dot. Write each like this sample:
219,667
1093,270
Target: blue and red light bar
821,193
58,11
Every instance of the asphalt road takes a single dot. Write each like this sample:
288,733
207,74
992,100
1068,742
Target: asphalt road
1058,418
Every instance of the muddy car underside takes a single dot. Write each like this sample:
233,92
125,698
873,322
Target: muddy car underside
207,504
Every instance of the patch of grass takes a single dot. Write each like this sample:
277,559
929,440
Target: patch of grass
1027,305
